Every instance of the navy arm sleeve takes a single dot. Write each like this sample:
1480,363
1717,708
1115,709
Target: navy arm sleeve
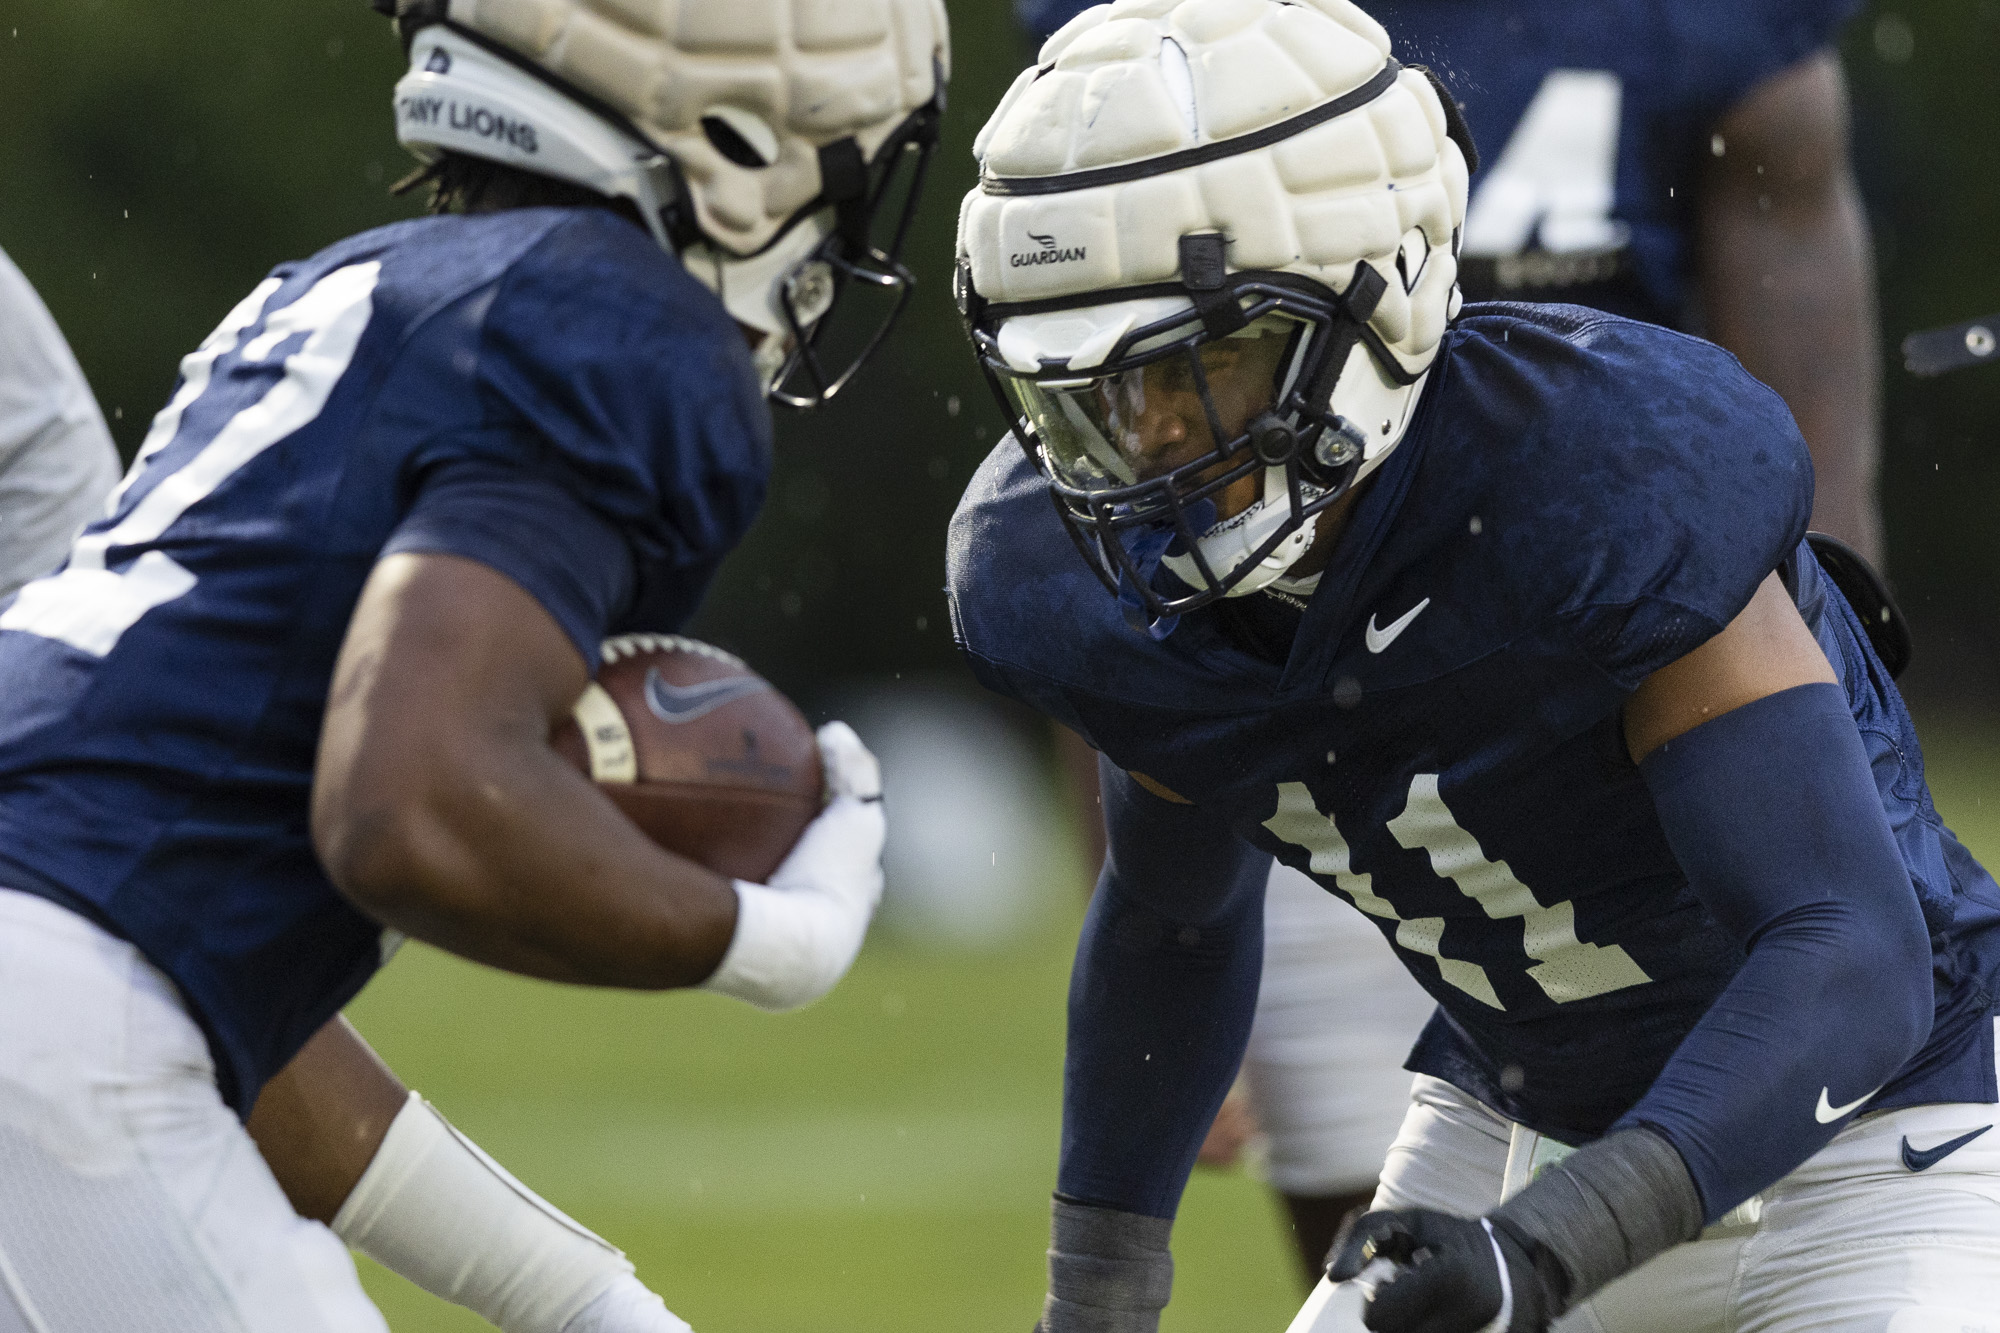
523,523
1042,17
1160,1001
1774,817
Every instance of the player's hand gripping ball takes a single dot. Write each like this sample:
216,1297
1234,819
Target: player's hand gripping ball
699,751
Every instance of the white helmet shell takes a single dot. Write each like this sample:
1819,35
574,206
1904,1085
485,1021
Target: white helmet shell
1284,126
461,96
785,78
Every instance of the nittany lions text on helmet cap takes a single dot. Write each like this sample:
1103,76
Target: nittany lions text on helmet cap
778,146
1183,192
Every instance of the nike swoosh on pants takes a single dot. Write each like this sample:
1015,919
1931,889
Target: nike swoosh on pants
1925,1159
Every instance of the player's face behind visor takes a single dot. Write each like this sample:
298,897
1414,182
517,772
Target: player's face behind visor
1108,235
1192,462
1163,418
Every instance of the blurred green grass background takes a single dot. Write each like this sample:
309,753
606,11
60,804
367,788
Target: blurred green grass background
879,1163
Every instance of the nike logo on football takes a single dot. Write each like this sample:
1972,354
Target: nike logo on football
685,703
1378,639
1930,1157
1826,1114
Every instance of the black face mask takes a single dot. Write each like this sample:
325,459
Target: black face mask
1139,524
856,275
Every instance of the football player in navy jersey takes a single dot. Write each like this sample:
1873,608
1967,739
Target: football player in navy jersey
1681,163
290,700
1503,626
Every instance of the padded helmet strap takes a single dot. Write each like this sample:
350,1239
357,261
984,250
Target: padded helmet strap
1364,292
843,174
1455,127
1205,274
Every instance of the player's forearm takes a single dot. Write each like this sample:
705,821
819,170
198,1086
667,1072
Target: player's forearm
353,1148
1160,1004
501,853
439,808
1773,814
1161,999
1159,1014
319,1120
1797,306
1788,285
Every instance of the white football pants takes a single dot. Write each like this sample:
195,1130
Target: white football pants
1336,1017
1853,1241
130,1196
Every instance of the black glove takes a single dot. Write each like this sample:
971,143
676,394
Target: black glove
1454,1274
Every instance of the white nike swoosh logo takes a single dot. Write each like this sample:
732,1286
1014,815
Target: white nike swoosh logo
685,703
1378,639
1826,1114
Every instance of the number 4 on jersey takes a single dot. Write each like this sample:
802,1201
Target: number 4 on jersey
1554,183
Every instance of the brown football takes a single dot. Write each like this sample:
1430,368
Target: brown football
698,750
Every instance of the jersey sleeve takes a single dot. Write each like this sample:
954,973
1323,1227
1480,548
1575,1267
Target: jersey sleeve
1017,591
1685,484
1728,47
1042,17
525,524
1160,1001
603,368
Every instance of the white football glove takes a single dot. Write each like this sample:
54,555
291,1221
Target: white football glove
798,935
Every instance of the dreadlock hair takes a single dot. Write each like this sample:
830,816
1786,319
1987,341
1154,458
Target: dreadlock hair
460,183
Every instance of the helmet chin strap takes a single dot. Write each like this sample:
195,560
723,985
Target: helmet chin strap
1146,551
1229,544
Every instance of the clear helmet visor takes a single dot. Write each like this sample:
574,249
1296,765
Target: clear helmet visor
1188,403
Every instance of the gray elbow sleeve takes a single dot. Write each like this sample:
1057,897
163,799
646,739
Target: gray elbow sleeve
1109,1271
1607,1208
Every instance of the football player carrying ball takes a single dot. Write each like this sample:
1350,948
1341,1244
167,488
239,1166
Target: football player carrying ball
292,698
1503,625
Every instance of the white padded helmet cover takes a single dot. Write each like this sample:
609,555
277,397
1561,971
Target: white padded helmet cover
1141,79
812,71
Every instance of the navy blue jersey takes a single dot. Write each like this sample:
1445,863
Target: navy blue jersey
544,390
1580,501
1592,119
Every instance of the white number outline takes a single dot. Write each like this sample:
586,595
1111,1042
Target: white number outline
1566,968
90,606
